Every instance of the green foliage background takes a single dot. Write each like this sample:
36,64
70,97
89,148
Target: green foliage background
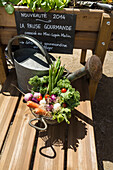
46,5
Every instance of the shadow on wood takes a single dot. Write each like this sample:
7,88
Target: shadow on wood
63,131
8,89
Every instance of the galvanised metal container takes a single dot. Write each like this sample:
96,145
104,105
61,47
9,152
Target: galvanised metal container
28,62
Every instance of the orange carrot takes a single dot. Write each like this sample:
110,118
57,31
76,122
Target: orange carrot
40,111
32,104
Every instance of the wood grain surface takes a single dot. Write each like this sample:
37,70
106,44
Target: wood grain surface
8,100
19,145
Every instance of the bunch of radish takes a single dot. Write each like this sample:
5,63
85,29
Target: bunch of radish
42,105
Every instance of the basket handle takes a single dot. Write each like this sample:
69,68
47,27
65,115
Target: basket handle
32,39
36,127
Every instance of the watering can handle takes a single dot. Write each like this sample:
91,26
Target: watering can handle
32,39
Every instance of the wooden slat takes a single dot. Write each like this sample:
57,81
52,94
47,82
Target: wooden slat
18,150
92,89
54,136
103,40
104,37
110,47
84,18
83,40
8,100
81,140
6,34
81,136
3,66
83,57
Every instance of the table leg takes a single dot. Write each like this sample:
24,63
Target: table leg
3,66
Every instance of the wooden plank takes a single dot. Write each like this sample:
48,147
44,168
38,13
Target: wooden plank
8,100
19,145
92,89
54,137
82,154
83,40
3,66
104,37
81,140
83,23
83,57
6,34
110,47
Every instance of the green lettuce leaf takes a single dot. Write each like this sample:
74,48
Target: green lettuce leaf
63,83
60,118
56,91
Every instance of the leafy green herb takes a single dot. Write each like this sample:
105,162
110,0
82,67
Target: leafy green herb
60,118
14,2
46,5
63,83
39,84
56,91
71,97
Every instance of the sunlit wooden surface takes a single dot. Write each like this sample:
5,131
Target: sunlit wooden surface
59,147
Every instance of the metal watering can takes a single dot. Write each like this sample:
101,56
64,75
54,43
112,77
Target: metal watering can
28,62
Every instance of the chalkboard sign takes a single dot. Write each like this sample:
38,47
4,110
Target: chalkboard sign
56,32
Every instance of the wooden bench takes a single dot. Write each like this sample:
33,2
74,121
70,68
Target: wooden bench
93,31
60,147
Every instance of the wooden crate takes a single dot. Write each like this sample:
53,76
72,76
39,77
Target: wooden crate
93,31
86,31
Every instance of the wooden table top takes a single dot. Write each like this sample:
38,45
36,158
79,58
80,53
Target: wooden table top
61,146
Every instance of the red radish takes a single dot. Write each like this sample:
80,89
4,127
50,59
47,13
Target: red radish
36,94
49,107
53,97
28,96
34,100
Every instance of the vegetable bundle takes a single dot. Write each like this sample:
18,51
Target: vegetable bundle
53,95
